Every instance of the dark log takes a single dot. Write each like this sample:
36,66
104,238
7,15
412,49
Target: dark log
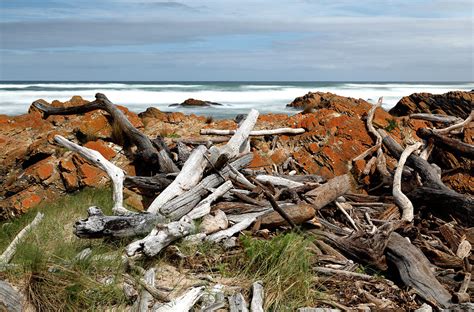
146,152
99,225
279,210
415,270
434,194
361,246
456,146
153,184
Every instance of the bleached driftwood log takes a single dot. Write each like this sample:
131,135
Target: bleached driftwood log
237,143
98,225
183,303
237,303
182,204
146,299
115,173
190,175
400,199
160,237
10,299
242,225
256,305
255,132
8,254
436,118
146,150
204,207
329,191
277,181
381,161
456,126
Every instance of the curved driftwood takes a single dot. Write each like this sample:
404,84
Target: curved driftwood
400,199
255,132
146,150
115,173
456,126
10,299
277,181
453,145
433,193
381,161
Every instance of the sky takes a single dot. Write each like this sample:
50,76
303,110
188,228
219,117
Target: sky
273,40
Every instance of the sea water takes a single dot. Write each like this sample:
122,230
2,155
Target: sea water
236,97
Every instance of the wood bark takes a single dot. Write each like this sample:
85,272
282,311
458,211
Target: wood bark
8,254
255,132
237,143
434,194
277,181
182,204
99,225
115,173
436,118
218,236
237,303
456,146
160,237
256,305
329,191
190,175
10,299
415,270
204,207
400,199
146,151
297,213
184,302
146,299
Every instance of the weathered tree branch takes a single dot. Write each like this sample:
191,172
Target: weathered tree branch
453,145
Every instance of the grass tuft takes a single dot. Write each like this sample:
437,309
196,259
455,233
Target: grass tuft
284,265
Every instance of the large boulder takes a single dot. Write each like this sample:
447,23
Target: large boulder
455,103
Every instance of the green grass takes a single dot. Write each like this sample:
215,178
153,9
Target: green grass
284,265
45,264
392,125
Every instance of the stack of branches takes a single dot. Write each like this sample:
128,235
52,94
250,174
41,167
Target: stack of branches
416,239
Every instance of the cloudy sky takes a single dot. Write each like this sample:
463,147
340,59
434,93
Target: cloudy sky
368,40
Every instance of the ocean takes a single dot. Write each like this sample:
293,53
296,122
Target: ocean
236,97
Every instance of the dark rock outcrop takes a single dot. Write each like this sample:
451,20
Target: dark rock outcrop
455,103
318,100
194,102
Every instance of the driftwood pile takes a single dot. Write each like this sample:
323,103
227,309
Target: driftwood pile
416,239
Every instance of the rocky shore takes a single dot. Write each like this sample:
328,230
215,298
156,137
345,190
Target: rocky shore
341,205
34,169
